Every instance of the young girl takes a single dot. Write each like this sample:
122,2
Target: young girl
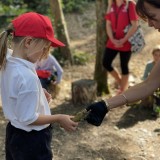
28,133
119,16
150,64
51,66
149,101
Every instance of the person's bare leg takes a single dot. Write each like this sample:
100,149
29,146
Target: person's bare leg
116,76
124,82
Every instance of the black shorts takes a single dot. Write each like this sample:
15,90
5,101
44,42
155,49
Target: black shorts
33,145
110,55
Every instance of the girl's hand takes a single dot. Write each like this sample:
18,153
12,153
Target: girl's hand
54,82
122,41
66,122
117,43
48,96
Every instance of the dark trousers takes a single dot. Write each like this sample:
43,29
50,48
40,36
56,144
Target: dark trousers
22,145
45,82
109,56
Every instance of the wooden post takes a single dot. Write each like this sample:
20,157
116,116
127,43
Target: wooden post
84,91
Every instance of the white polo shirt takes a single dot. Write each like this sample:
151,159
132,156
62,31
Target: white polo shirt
23,98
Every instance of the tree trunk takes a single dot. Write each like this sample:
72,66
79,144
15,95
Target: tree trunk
61,30
84,91
100,74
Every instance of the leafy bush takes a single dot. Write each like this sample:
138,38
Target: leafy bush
40,6
56,53
11,8
80,58
74,5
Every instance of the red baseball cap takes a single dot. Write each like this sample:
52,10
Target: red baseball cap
35,25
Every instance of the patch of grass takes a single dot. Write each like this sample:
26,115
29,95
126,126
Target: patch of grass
81,58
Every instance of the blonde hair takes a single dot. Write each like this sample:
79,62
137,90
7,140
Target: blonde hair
4,44
155,49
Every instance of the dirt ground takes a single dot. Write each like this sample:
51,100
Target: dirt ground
127,133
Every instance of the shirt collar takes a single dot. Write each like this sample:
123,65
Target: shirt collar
19,61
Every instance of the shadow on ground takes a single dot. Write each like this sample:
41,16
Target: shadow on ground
67,108
88,142
133,115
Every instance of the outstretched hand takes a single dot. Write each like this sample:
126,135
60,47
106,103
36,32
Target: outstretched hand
67,123
97,112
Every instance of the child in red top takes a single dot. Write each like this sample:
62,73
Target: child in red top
120,14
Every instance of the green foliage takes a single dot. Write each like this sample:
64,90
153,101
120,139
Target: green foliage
56,53
40,6
12,8
9,9
80,58
75,5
